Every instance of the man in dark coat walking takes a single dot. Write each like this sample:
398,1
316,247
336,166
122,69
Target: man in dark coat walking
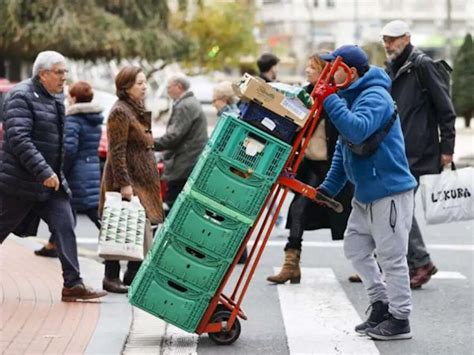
31,166
427,117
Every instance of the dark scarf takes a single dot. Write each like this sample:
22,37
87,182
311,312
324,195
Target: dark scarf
138,107
398,62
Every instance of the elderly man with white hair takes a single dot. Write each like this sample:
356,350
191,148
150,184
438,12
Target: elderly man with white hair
32,182
427,117
185,138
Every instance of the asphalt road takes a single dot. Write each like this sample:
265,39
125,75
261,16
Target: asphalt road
318,315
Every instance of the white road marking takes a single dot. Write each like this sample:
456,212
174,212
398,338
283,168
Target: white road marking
151,335
449,275
319,318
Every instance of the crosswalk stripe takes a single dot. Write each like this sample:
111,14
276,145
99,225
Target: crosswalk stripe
446,275
151,335
319,318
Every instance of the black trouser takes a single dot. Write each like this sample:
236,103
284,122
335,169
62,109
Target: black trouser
311,173
58,215
174,188
112,268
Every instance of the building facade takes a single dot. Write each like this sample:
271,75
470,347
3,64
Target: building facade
296,28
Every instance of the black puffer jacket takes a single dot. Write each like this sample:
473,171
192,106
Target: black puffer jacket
32,148
422,114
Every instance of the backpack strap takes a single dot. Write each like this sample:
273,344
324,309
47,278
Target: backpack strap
371,144
419,73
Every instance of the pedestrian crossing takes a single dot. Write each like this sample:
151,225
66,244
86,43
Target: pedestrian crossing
318,319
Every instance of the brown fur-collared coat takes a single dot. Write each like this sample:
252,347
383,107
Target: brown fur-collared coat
131,159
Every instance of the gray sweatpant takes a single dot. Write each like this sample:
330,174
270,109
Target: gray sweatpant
382,226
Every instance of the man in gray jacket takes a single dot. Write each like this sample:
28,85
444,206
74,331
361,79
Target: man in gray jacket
427,117
185,138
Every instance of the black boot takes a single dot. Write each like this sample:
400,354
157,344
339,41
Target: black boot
114,285
391,329
378,314
132,269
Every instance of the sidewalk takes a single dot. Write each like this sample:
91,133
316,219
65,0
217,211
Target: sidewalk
33,318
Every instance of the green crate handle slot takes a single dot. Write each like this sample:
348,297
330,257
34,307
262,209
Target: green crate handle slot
195,253
226,165
240,173
177,287
213,217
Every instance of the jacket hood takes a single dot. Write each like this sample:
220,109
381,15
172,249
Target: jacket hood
375,76
90,111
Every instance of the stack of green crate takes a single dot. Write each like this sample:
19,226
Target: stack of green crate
205,228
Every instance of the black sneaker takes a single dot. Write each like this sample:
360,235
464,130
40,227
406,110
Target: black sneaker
391,329
378,314
47,252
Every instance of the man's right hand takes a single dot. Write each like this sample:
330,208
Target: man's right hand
324,90
127,192
52,182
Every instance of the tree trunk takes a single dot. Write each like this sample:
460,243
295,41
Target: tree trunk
3,69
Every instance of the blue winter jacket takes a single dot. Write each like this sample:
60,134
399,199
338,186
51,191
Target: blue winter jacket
358,112
32,148
82,131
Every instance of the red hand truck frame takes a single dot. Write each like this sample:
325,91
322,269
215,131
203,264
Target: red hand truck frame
220,319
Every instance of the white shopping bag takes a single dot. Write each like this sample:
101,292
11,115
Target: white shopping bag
448,197
122,234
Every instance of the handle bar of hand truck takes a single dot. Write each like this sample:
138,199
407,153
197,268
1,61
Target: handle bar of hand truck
288,180
327,75
329,202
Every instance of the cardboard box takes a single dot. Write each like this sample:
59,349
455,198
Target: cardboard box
257,90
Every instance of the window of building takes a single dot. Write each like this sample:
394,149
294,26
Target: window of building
271,2
330,3
316,3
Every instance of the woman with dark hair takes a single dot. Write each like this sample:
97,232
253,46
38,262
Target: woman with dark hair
82,131
130,167
304,214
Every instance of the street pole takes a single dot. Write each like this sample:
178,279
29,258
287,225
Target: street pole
449,49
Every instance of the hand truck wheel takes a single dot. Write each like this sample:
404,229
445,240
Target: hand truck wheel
224,337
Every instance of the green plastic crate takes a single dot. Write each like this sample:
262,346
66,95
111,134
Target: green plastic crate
189,266
207,225
225,182
168,299
231,139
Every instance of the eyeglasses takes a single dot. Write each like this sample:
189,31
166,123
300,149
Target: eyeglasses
59,72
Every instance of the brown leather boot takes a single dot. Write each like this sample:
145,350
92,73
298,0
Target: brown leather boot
290,270
80,292
114,285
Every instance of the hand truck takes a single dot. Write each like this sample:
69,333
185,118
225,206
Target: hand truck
220,320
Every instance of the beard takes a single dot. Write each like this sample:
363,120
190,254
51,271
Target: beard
393,54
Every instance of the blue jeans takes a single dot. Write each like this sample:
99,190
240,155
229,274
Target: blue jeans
58,215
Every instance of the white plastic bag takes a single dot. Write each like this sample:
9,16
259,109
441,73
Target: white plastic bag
448,197
122,234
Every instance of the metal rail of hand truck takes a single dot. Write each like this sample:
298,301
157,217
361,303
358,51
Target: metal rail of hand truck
220,320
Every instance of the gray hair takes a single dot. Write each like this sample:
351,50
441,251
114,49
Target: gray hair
224,90
45,60
180,79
